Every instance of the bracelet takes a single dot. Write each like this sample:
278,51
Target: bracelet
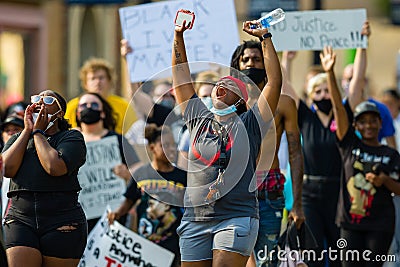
265,36
38,131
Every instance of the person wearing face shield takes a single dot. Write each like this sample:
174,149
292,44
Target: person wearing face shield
45,224
203,86
221,217
248,59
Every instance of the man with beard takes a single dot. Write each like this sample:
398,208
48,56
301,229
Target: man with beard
248,58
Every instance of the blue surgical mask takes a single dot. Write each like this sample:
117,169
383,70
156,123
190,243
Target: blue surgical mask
225,111
358,134
207,101
167,102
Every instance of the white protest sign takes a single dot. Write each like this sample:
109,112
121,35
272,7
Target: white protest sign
312,30
149,29
100,186
116,246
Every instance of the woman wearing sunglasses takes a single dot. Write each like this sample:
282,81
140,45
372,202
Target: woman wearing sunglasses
95,118
45,225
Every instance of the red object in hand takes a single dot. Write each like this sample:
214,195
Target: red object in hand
184,15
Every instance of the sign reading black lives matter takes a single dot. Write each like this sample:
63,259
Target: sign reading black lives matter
100,186
312,30
116,246
149,29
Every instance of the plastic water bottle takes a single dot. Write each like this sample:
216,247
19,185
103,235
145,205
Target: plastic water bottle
271,18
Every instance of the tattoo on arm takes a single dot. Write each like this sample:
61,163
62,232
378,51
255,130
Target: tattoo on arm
178,57
296,165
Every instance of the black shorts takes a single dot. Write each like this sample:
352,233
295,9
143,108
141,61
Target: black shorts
53,223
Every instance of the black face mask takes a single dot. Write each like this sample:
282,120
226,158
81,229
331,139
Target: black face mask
90,116
324,105
256,75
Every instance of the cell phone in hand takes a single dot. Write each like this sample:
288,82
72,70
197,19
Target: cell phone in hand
184,15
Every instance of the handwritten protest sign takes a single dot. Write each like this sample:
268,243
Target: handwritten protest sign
116,246
149,28
312,30
100,186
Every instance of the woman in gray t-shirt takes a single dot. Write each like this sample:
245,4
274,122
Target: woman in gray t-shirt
221,212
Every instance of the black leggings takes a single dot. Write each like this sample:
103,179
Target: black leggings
378,242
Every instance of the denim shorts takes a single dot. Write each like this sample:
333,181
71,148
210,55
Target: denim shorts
199,239
52,222
271,213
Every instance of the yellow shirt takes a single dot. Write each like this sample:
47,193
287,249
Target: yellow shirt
126,116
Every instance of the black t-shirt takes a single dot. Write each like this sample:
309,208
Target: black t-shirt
361,205
128,154
163,115
169,187
321,155
32,177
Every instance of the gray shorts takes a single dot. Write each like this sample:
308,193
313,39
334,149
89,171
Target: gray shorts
199,239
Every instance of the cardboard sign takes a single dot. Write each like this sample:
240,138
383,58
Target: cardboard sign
312,30
116,246
149,29
100,186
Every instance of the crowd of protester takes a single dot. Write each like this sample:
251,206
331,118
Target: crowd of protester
215,138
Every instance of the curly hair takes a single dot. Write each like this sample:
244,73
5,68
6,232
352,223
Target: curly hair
95,64
153,133
110,119
239,51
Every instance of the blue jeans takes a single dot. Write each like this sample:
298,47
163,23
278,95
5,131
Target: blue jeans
271,212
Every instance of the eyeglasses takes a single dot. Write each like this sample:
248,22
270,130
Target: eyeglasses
47,100
92,105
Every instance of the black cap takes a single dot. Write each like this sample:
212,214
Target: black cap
365,107
13,119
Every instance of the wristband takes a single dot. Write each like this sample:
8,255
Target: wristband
38,131
265,36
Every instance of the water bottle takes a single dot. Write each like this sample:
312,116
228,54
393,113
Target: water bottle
271,18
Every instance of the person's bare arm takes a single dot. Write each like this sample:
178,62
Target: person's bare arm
287,87
357,83
383,179
391,141
268,100
13,156
121,211
143,102
328,59
182,82
291,128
